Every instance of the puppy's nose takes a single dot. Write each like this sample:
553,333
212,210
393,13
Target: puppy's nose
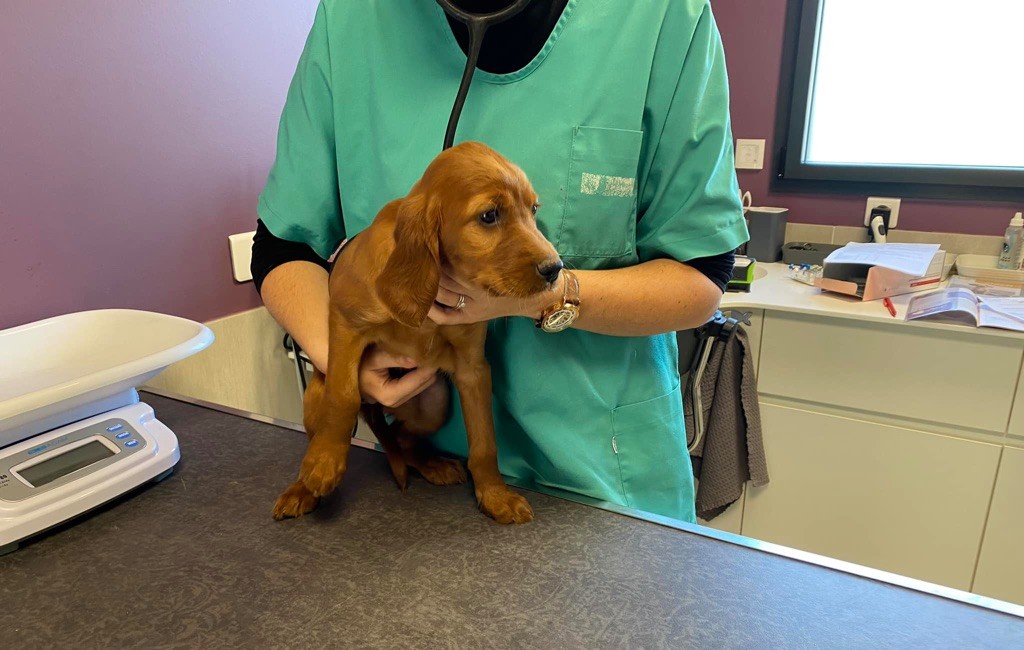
549,270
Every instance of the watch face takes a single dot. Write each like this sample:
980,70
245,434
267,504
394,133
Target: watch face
561,318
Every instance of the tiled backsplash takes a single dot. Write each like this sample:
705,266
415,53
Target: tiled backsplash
951,243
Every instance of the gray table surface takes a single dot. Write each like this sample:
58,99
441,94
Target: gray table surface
197,562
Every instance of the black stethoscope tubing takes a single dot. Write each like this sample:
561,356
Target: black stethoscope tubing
477,25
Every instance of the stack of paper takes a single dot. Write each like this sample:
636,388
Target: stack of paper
912,259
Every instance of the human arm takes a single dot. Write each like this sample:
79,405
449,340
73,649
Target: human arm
649,298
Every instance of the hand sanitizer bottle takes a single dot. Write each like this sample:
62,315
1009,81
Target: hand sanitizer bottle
1013,244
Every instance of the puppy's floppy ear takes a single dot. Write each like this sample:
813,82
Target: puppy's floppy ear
408,284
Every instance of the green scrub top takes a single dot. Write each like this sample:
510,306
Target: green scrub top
621,123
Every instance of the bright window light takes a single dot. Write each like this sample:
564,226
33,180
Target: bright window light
933,83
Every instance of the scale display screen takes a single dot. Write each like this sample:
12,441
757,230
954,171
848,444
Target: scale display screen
54,468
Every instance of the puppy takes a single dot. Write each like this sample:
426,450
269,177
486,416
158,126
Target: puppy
472,212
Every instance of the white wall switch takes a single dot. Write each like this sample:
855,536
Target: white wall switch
241,255
891,203
750,154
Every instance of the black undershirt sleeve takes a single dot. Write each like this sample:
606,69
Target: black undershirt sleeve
270,252
717,268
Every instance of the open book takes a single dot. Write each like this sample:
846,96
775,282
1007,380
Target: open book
961,305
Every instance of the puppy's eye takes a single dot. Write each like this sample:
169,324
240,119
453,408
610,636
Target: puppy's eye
489,217
536,206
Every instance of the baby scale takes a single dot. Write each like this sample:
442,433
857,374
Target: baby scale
73,433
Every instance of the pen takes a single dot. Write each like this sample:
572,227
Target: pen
888,305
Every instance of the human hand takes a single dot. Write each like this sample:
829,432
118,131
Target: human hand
377,385
478,305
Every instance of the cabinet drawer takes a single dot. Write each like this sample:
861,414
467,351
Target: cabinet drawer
891,498
1001,565
953,378
1017,417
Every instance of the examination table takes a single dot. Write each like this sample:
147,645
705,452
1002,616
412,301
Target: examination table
197,562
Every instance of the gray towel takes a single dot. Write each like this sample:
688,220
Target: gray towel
732,449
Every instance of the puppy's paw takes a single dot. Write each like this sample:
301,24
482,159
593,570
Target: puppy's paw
296,501
504,505
322,470
442,471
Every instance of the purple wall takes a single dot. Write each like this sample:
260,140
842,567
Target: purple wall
134,138
752,31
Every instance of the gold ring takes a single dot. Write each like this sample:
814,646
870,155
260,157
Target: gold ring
460,303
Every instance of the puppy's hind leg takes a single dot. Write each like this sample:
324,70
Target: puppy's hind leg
374,416
436,469
415,421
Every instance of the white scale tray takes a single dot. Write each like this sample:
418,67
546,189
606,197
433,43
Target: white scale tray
61,374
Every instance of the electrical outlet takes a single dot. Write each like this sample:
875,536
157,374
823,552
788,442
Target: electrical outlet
241,255
750,154
892,204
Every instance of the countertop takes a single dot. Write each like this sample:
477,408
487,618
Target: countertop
197,562
775,290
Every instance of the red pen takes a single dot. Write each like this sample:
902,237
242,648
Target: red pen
888,305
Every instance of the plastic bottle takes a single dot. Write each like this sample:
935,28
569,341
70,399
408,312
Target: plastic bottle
1013,244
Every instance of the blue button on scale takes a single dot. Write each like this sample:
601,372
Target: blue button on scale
115,427
123,435
131,443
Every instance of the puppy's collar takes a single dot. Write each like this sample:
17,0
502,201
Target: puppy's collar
337,251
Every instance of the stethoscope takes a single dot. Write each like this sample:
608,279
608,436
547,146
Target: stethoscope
477,25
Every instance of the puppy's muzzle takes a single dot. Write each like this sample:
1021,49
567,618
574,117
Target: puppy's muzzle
550,269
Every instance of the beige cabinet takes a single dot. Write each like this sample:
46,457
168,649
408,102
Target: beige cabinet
1016,427
1001,564
886,497
957,378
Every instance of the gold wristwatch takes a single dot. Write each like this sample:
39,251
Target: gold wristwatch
562,315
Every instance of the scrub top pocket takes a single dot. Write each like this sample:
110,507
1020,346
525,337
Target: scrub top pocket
649,442
599,216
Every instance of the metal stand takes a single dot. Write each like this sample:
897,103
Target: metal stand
295,352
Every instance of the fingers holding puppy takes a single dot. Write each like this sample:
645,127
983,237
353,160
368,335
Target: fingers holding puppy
379,385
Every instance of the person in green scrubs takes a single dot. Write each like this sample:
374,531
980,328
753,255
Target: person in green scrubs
620,118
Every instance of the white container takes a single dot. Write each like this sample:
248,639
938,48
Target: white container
70,367
1013,244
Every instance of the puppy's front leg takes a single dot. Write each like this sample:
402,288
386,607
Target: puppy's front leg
297,500
326,458
473,379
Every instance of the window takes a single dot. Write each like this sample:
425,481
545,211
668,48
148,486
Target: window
924,97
